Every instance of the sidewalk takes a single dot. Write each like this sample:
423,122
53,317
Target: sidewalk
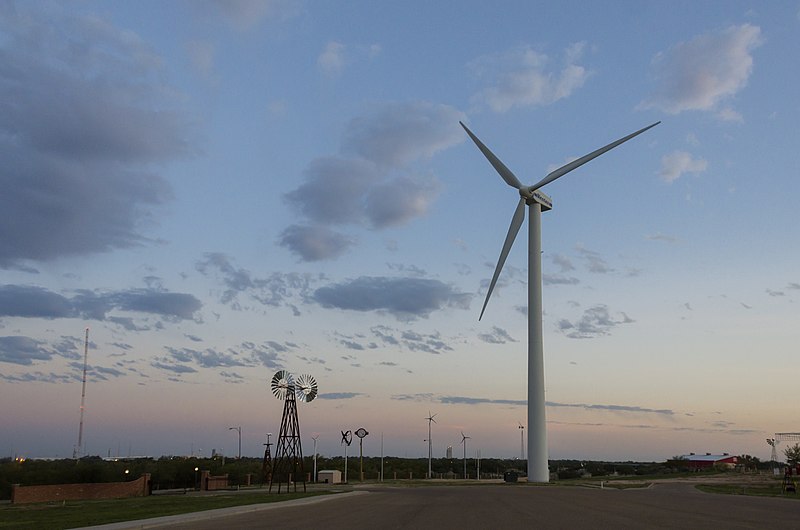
221,512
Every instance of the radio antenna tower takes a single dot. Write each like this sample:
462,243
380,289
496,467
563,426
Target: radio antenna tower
79,449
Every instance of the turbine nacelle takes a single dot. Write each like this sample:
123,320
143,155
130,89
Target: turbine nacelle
533,195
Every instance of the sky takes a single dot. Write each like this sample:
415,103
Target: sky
220,190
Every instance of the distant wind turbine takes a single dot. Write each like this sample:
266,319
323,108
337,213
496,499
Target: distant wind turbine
464,439
430,447
537,202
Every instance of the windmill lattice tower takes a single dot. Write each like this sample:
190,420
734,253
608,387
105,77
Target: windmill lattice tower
288,463
266,466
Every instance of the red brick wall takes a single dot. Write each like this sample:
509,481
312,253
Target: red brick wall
210,483
71,492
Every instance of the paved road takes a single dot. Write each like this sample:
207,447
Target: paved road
510,506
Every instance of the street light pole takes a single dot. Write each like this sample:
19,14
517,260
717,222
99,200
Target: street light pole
315,457
239,430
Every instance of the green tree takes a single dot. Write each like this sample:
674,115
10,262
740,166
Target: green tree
792,454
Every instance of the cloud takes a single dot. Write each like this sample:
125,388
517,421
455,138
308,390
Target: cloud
22,350
173,368
351,188
36,302
677,163
559,279
563,263
460,400
405,298
39,377
396,134
208,358
594,262
315,243
595,322
334,189
411,198
426,343
661,237
520,78
497,336
276,290
339,395
25,350
703,72
613,408
412,340
244,15
83,116
331,61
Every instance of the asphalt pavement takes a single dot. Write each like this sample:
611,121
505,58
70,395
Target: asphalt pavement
671,505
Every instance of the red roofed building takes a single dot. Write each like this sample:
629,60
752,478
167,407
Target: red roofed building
697,462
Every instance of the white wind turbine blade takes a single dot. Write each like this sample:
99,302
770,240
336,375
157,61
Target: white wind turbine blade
501,168
516,223
563,170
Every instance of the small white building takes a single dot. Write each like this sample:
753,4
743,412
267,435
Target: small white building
329,476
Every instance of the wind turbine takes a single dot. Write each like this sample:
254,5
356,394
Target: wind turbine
430,449
464,439
537,202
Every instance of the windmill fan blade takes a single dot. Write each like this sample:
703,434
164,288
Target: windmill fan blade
563,170
306,388
516,223
281,382
501,168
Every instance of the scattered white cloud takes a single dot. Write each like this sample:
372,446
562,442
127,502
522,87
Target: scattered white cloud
701,73
596,321
332,60
496,336
594,261
677,163
522,77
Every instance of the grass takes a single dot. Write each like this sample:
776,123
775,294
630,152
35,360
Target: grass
75,514
763,490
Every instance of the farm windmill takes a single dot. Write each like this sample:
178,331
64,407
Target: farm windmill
289,449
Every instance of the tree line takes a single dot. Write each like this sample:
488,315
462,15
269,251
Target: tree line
183,472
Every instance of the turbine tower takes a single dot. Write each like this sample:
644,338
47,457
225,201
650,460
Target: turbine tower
464,439
430,447
537,202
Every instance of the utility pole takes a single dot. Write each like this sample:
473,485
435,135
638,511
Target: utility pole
79,449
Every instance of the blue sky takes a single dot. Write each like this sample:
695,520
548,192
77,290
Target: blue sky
223,189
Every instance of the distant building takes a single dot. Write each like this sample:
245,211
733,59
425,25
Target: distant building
330,476
449,451
697,462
